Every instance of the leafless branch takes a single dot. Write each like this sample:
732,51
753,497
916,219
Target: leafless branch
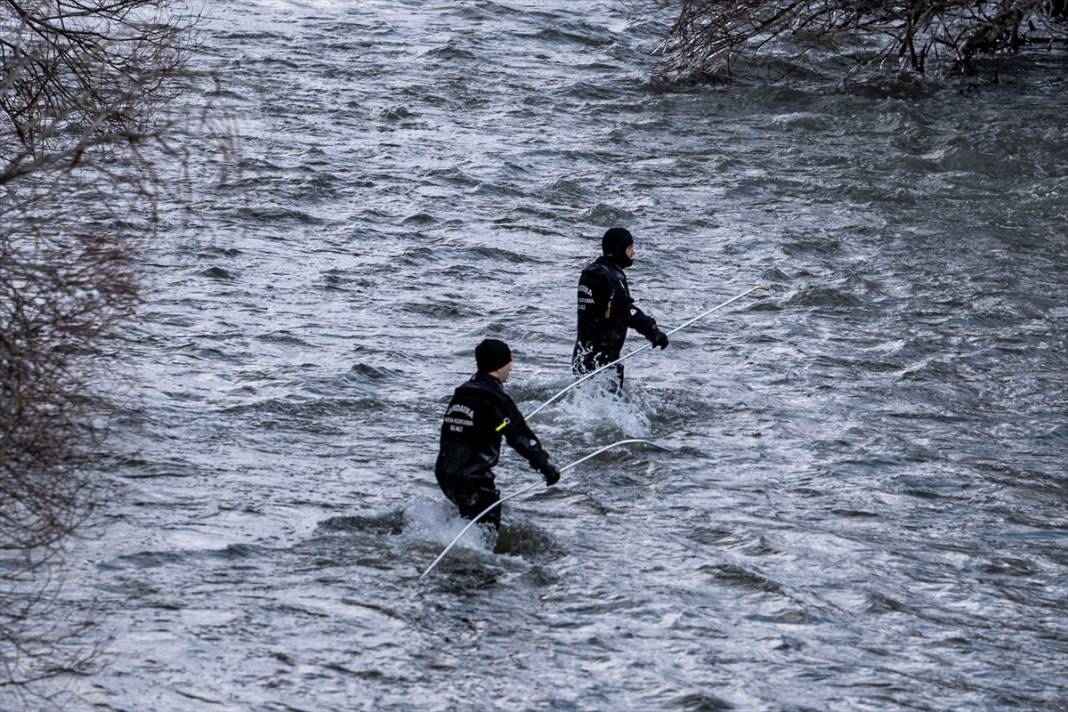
711,36
84,91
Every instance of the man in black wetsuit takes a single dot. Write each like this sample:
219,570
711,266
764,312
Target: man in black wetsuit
479,413
606,310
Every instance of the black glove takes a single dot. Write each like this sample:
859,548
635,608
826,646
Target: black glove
660,339
552,475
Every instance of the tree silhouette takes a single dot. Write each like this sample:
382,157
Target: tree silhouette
83,84
711,36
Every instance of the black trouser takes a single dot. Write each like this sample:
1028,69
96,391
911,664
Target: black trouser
472,495
586,359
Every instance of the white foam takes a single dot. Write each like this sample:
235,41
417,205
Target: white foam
438,522
596,406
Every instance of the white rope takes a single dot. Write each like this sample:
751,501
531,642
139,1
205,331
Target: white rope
529,487
591,374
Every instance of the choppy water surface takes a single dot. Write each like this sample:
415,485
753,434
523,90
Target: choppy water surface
865,503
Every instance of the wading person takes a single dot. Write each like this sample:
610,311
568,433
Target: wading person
606,309
479,414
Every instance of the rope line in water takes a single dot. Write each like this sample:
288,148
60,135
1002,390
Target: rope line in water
680,327
584,378
529,487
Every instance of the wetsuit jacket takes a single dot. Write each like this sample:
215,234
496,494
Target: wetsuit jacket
479,413
605,311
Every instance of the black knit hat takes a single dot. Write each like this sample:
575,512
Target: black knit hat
614,245
491,354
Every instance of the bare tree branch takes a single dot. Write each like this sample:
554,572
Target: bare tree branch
84,89
710,37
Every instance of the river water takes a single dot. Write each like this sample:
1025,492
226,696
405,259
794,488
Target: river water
863,505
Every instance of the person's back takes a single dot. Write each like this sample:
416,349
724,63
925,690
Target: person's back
470,441
478,416
604,296
605,308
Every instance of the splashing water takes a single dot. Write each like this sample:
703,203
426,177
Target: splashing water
601,412
438,522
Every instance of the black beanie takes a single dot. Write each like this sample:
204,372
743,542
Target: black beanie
491,354
614,245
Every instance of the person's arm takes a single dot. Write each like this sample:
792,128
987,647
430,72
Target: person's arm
522,439
646,326
641,322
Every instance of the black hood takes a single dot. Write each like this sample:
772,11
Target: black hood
614,245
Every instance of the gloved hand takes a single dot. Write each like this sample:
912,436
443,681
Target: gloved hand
660,339
552,475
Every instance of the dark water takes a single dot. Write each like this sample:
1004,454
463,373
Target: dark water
865,503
